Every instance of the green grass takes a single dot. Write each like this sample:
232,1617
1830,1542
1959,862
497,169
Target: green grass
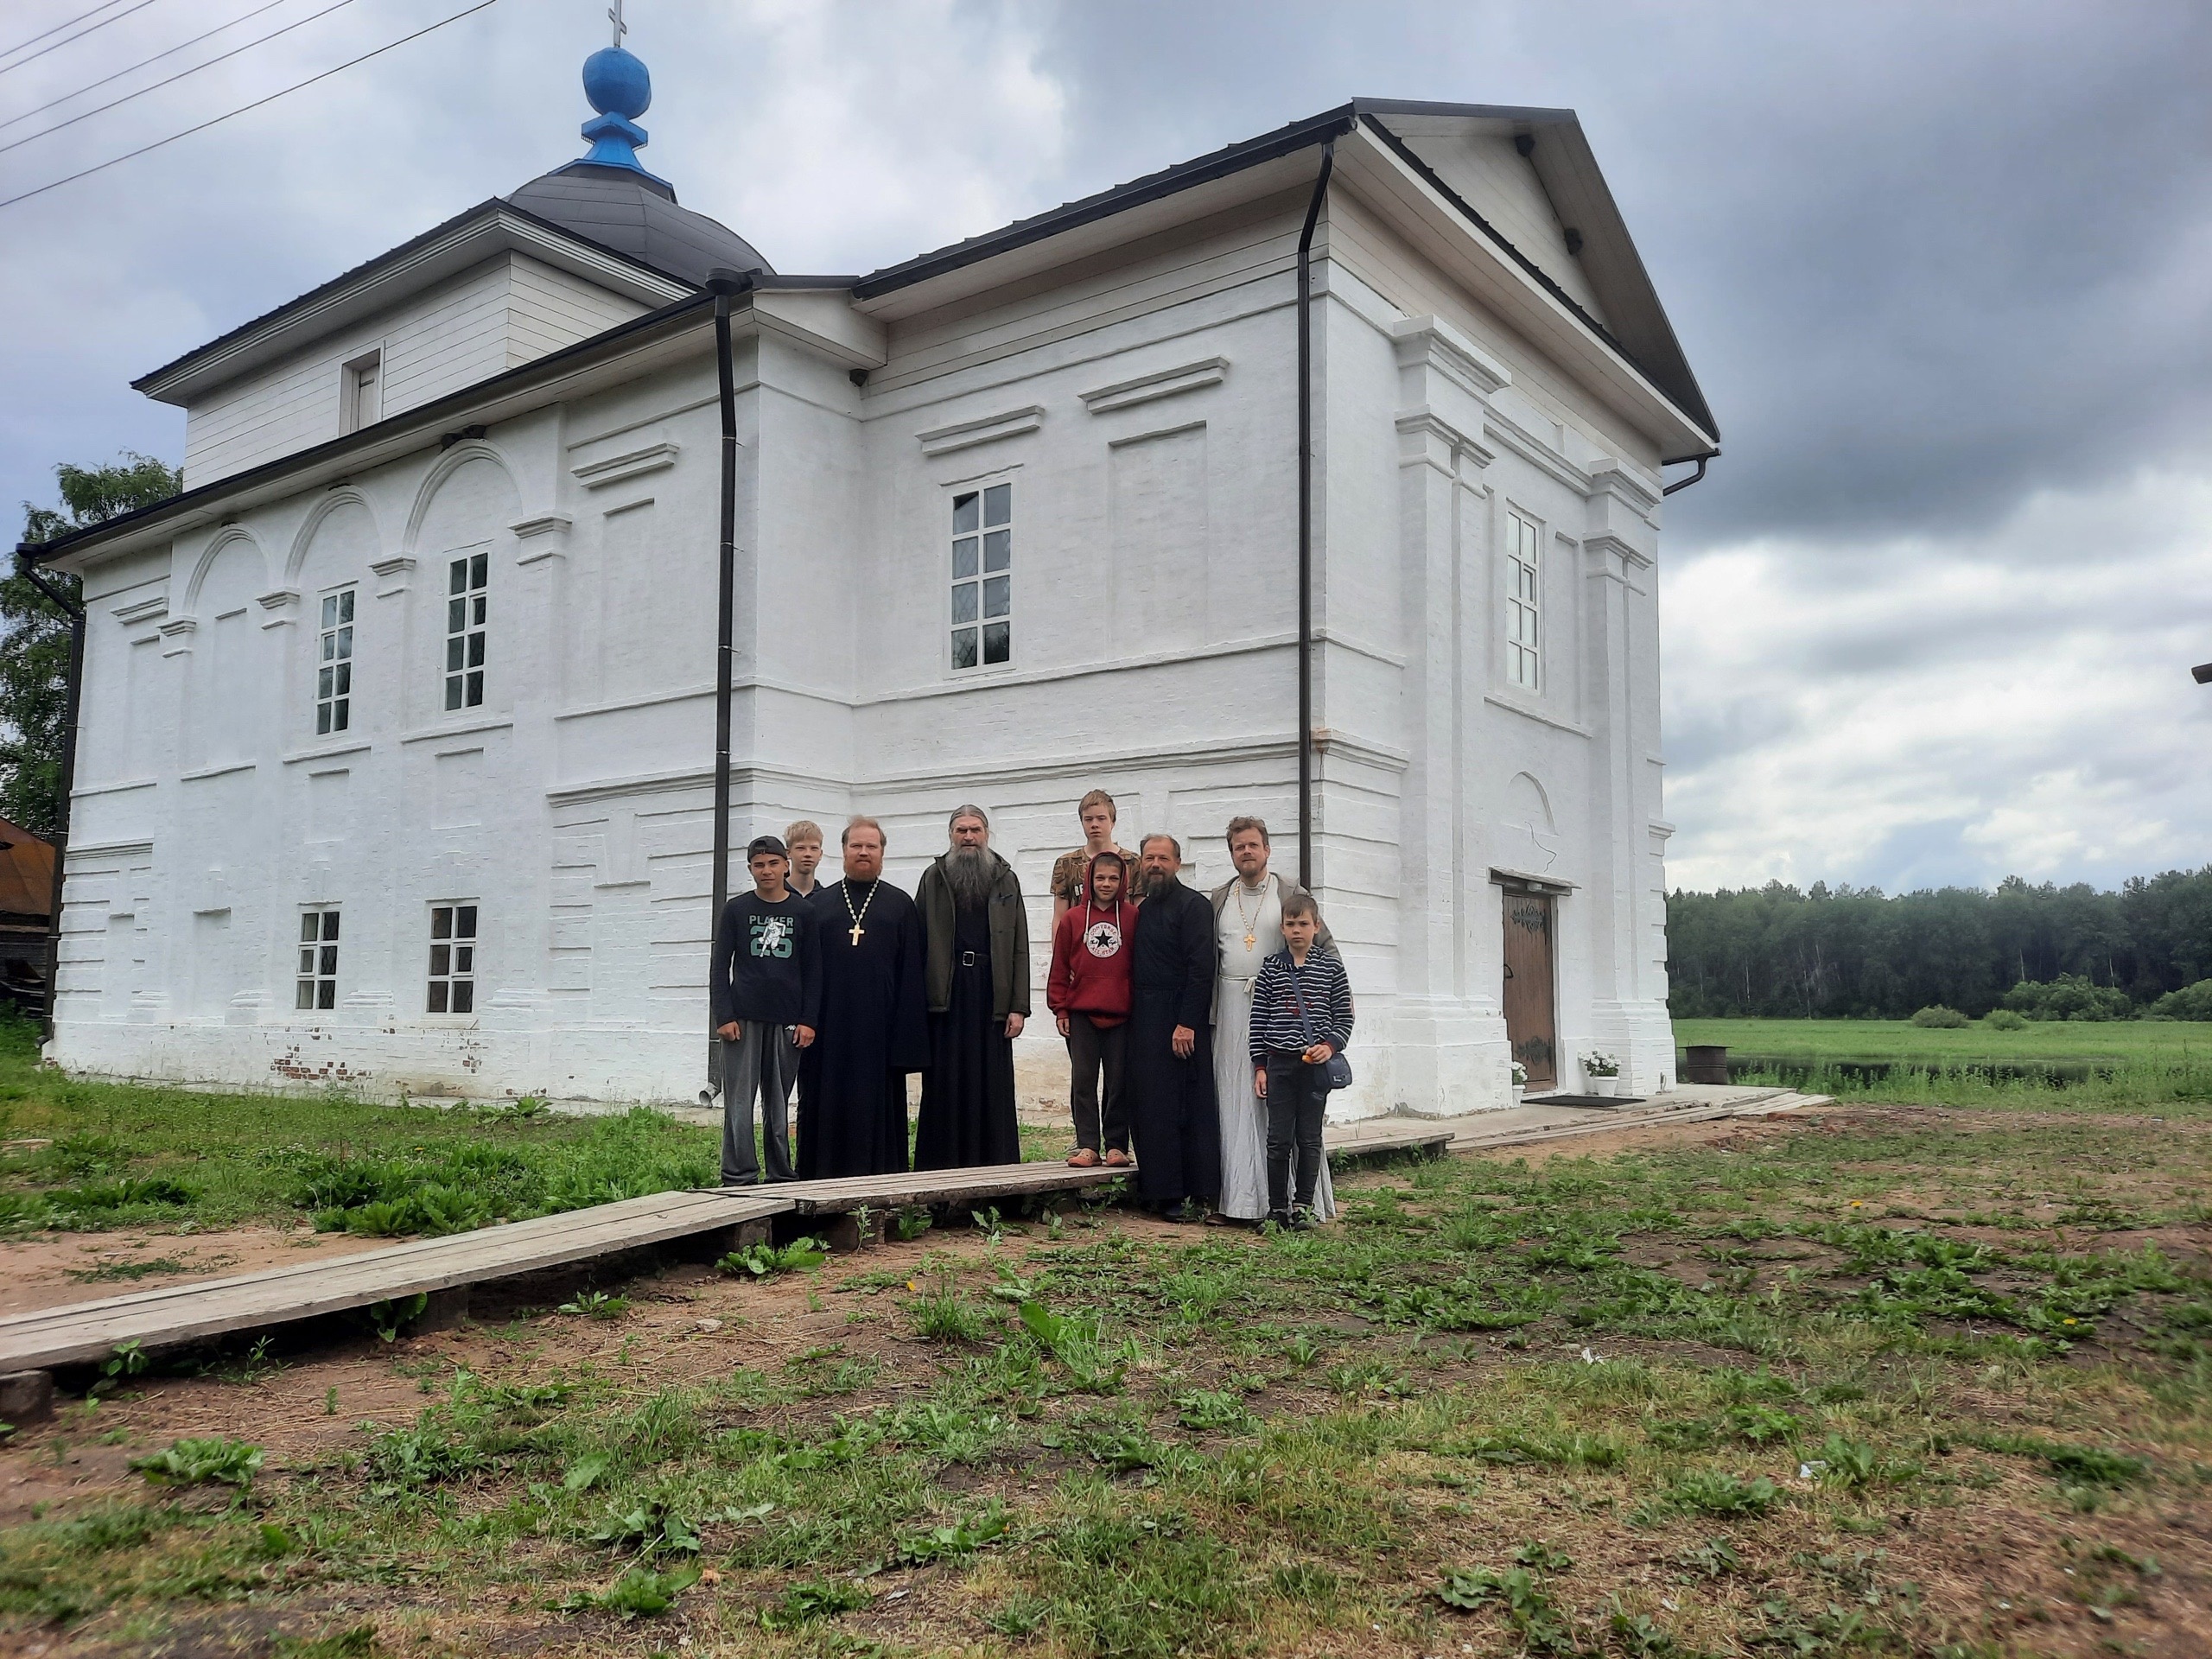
1868,1385
2131,1040
2160,1067
121,1155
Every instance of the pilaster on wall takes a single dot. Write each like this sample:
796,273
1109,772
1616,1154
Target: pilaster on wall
1628,1009
1451,1054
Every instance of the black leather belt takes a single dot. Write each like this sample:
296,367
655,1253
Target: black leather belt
967,958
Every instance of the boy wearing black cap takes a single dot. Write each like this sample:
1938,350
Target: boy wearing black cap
766,986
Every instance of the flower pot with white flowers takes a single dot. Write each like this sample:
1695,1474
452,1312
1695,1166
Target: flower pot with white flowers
1601,1074
1519,1081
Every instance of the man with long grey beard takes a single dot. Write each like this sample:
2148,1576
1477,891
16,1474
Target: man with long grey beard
975,971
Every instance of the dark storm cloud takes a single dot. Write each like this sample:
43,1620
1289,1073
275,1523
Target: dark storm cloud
1923,258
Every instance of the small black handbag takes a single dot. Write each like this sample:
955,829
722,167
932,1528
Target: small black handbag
1337,1067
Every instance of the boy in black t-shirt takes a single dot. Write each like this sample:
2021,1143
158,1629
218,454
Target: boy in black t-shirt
766,986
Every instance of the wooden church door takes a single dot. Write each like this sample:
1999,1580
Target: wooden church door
1531,1025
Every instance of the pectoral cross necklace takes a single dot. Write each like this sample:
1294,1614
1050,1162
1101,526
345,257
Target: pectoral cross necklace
857,929
1252,922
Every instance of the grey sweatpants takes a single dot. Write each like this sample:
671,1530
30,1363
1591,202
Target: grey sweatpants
763,1061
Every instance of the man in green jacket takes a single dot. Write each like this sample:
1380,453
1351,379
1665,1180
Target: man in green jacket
975,973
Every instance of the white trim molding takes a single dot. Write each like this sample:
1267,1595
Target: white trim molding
1164,383
633,463
965,435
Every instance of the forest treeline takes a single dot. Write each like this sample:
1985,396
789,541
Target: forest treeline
1845,952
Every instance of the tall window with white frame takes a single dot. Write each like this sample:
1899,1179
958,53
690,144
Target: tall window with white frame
467,581
1523,604
983,577
334,673
318,975
453,959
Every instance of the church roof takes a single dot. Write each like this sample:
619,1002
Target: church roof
1635,325
627,212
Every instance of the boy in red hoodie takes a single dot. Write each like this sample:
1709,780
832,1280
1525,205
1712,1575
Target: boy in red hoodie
1088,992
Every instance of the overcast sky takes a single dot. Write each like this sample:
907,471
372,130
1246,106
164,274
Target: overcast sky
1942,270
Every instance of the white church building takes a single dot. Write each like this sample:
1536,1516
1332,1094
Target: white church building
396,765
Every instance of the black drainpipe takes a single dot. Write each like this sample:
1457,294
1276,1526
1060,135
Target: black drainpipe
1684,483
1305,517
724,285
70,608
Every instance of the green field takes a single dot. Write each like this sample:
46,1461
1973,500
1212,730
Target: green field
1897,1040
2160,1067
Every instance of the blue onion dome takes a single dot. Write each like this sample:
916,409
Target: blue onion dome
617,83
607,197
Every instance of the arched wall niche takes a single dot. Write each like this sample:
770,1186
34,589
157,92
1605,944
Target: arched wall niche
468,497
336,545
228,699
1527,806
230,571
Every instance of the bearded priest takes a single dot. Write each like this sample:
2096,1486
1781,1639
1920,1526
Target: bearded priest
977,929
874,1030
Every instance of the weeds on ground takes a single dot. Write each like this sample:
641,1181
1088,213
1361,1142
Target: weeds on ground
1778,1396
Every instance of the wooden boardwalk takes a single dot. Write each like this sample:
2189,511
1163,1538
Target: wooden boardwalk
84,1333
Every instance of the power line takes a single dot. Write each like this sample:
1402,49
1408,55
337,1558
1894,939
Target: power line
102,109
67,23
266,5
78,36
244,108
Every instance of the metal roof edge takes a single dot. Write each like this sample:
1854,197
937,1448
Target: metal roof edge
426,415
491,208
1152,187
1693,408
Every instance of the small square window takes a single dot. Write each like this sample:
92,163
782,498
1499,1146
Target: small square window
982,545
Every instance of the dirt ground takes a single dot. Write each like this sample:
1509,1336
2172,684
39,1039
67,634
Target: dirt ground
312,1395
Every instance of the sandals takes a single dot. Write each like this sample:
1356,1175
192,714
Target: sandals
1117,1158
1084,1158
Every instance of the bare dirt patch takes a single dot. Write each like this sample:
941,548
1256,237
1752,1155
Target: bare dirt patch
62,1267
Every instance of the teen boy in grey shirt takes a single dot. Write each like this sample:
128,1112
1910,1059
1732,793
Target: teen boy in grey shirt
766,986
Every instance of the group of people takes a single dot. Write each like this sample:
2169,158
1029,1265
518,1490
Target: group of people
1200,1030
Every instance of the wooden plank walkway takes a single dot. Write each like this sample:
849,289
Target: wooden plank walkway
975,1185
80,1332
1431,1138
77,1332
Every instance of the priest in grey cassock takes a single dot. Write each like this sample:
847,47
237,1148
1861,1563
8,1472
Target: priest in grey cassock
975,935
1247,930
874,1029
1168,1072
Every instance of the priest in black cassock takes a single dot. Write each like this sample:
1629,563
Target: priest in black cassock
874,1029
1173,1118
975,937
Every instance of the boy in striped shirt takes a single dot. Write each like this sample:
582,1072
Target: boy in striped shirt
1301,1017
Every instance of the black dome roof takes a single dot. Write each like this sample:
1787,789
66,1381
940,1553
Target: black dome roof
636,215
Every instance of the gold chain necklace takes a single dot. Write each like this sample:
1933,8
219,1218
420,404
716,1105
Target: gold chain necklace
1252,922
845,889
